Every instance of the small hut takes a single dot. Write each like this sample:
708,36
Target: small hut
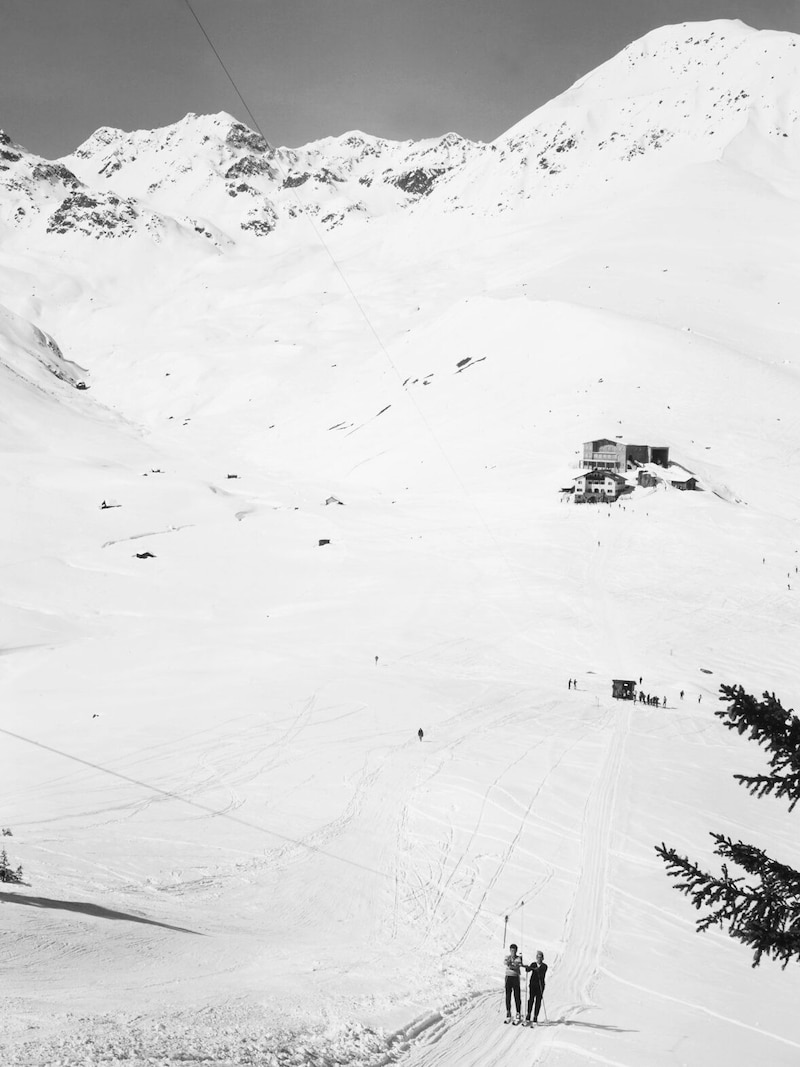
646,478
623,689
683,481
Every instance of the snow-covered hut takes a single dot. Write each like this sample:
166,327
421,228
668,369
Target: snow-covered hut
681,479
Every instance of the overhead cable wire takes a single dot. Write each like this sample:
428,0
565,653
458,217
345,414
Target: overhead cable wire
365,316
169,794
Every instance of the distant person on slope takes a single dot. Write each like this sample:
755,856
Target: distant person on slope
420,734
513,964
538,973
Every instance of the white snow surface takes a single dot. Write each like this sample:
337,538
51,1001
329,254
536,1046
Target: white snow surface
235,848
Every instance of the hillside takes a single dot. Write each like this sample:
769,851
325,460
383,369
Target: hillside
236,849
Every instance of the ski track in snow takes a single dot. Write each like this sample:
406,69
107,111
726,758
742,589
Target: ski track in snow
729,1020
575,972
474,1035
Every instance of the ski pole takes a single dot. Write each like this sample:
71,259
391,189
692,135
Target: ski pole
505,931
521,941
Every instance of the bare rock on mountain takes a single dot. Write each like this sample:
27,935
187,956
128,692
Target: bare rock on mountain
240,136
419,182
100,215
56,174
249,166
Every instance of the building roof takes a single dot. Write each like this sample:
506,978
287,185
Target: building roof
600,441
599,475
678,474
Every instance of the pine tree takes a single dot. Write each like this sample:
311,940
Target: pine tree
7,872
761,908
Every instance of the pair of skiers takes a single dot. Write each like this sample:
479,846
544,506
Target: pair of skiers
538,972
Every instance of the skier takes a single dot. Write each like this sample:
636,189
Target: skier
663,702
513,963
536,992
419,733
681,694
569,684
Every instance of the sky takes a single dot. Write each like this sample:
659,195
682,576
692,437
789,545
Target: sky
314,68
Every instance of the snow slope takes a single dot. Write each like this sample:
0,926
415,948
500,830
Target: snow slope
236,850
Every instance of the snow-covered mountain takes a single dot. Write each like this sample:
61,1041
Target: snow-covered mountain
212,674
118,184
235,179
48,199
716,91
688,94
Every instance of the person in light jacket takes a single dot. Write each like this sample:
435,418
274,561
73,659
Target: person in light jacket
513,964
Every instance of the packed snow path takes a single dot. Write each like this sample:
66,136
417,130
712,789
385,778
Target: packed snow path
473,1038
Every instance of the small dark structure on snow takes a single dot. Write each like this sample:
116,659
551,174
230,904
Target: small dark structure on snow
334,500
623,689
682,480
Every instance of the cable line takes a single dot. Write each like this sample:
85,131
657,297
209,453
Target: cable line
368,321
221,62
171,795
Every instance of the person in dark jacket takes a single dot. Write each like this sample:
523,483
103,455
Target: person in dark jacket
513,964
536,992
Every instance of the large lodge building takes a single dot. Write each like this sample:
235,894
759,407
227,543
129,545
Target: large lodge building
608,455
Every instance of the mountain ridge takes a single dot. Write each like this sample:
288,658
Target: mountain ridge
682,94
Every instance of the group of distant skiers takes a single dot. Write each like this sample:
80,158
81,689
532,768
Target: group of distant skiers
538,972
645,698
638,698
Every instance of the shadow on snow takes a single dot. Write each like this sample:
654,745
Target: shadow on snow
587,1026
84,908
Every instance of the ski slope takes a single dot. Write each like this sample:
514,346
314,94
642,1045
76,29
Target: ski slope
236,849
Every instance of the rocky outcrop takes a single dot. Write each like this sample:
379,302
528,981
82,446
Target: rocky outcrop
241,136
250,166
99,215
419,182
56,174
